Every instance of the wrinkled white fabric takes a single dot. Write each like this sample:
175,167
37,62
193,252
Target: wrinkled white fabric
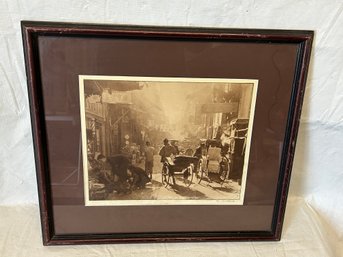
318,168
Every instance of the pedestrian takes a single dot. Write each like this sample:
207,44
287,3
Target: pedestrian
149,159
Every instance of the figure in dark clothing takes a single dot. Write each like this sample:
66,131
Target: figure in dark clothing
167,150
104,174
200,151
137,177
108,174
119,164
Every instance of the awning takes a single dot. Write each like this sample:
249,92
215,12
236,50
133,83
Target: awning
95,87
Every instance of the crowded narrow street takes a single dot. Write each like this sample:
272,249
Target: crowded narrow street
196,191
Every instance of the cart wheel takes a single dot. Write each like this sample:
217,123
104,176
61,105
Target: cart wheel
200,171
165,175
224,175
188,175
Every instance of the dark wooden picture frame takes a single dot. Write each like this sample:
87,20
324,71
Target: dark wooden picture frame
39,54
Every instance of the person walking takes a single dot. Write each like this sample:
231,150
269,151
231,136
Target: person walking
149,159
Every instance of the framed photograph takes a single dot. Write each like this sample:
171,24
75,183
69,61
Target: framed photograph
155,134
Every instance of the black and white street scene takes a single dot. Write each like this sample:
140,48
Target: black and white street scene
165,138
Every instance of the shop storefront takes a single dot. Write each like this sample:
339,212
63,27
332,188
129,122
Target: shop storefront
95,125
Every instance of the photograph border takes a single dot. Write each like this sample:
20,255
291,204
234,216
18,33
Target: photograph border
31,30
240,201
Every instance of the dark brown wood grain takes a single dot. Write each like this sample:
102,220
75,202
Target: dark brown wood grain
31,31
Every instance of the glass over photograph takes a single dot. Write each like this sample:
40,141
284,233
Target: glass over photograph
161,140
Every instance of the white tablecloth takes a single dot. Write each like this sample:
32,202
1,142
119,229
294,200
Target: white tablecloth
318,166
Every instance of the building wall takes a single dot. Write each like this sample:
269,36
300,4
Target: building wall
245,102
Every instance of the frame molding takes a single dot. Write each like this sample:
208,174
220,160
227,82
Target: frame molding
30,32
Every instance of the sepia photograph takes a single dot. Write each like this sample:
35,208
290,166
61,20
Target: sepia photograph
164,140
